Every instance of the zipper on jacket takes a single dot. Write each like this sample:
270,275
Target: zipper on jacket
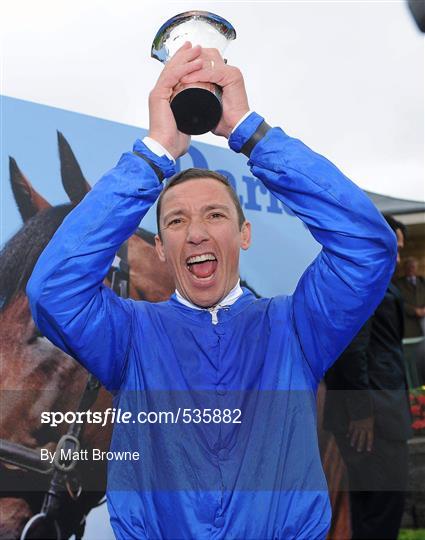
214,312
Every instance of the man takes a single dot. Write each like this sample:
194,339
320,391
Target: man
242,461
367,409
412,288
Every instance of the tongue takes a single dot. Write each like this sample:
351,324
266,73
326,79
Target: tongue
204,269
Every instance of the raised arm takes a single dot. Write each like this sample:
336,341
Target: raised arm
340,290
69,302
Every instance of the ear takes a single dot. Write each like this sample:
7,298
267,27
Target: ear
246,235
29,201
159,246
73,181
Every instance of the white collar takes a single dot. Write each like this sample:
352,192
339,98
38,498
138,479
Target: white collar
230,299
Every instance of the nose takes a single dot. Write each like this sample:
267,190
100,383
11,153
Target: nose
197,232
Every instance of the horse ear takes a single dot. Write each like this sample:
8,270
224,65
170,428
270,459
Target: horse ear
73,181
28,200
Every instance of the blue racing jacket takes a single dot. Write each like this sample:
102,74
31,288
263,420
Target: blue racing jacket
236,456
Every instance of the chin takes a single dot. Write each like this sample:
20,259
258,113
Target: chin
204,297
203,292
205,301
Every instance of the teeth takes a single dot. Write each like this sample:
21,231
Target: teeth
201,258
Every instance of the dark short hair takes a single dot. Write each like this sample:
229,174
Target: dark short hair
200,174
395,224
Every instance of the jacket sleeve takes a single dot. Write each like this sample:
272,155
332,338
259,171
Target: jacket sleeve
69,302
339,291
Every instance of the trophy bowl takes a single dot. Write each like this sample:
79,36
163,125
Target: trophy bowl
196,107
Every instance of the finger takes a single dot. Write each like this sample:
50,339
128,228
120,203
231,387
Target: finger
361,441
206,74
186,53
369,441
173,75
354,436
186,46
214,70
222,74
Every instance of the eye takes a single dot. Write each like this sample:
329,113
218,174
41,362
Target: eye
175,221
216,215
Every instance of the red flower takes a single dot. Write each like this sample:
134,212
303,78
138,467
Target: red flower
421,399
416,410
418,424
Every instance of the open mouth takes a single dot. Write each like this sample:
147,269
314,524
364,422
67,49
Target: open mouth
202,266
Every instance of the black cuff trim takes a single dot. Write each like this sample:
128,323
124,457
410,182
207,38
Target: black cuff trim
156,169
256,137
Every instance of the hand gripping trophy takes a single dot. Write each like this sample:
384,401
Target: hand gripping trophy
196,107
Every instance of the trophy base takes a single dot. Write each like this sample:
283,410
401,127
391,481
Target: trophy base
196,111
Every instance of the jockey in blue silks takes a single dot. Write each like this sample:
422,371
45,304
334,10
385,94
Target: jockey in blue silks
249,467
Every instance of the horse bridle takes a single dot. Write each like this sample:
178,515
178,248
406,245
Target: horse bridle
62,473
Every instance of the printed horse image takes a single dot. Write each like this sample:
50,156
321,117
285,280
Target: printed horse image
36,376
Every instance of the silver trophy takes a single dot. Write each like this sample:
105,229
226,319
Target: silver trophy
196,107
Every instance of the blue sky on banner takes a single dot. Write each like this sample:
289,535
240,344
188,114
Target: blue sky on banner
281,249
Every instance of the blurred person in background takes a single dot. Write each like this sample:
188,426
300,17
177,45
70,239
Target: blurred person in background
412,288
367,410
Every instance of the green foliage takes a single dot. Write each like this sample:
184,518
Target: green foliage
412,534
